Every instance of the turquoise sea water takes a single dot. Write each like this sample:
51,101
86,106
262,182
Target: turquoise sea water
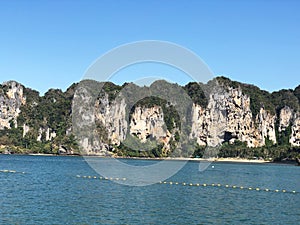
49,192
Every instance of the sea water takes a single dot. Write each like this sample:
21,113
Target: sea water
52,190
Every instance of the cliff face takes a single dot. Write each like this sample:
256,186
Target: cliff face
112,116
112,123
226,118
285,118
148,123
289,121
295,136
11,99
230,116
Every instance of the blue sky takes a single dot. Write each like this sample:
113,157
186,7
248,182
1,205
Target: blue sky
47,44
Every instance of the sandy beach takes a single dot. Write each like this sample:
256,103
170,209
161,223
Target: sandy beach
239,160
233,160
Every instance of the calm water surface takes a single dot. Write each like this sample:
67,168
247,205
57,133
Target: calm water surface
50,193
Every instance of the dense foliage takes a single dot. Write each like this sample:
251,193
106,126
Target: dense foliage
53,111
197,93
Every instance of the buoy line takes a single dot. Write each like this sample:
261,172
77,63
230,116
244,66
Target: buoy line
228,186
197,184
101,178
10,171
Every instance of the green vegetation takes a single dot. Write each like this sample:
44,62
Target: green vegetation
111,89
297,92
196,93
199,151
124,151
283,98
51,111
274,152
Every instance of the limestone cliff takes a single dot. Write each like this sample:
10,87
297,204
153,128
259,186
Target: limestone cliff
228,118
11,99
285,118
295,136
289,121
144,123
113,116
148,123
234,113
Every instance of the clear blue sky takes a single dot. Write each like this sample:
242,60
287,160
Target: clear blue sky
51,43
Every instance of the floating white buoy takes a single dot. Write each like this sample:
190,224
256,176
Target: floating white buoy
212,166
177,183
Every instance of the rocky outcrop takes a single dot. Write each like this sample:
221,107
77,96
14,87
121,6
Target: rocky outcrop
112,116
290,120
228,118
25,130
11,100
266,126
285,118
144,123
295,136
49,135
112,124
148,123
84,112
199,129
